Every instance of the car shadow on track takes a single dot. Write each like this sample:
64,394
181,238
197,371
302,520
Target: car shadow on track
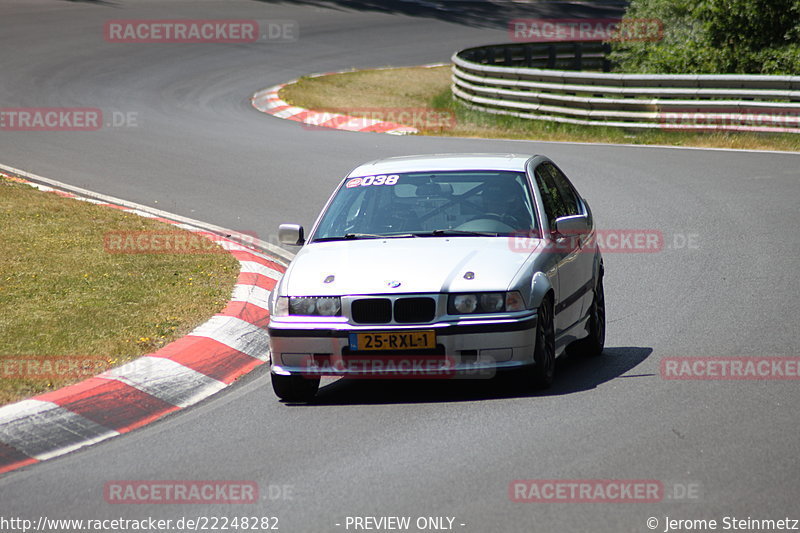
573,374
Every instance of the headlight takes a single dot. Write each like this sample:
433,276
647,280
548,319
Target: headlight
465,303
302,306
492,302
485,302
315,306
329,306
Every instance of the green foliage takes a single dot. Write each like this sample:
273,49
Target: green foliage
715,37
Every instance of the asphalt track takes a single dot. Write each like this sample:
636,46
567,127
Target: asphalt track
433,449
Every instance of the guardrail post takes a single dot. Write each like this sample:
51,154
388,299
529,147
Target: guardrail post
606,62
577,56
551,56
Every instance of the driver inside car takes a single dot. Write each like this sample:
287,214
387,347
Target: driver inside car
503,199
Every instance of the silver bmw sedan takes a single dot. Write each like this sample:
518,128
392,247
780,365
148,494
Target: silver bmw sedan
443,266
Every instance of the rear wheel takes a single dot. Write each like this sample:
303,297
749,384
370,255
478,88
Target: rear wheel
295,388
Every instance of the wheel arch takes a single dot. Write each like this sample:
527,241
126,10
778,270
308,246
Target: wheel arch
541,288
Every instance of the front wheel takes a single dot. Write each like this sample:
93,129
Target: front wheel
541,374
593,344
295,388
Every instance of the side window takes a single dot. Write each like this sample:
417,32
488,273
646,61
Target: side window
553,204
565,190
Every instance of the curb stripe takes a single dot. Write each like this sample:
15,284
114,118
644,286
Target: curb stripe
255,258
43,429
248,312
268,101
287,111
11,458
257,268
302,116
251,293
165,379
212,358
110,403
251,278
236,333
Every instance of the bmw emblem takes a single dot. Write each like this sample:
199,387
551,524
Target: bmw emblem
393,284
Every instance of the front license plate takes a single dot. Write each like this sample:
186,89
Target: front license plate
395,340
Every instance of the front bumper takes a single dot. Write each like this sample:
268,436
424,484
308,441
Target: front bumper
464,348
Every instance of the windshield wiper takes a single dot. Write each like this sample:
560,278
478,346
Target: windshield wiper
439,232
434,233
377,236
353,236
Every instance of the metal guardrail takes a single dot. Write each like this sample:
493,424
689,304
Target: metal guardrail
569,82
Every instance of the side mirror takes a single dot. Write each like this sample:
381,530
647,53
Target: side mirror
572,225
291,234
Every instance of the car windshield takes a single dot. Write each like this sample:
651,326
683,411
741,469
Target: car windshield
417,204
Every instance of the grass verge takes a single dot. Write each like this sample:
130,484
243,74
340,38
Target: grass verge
72,309
384,93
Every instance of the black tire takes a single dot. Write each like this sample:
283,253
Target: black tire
593,345
295,388
541,374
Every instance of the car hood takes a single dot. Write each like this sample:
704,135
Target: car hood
407,265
